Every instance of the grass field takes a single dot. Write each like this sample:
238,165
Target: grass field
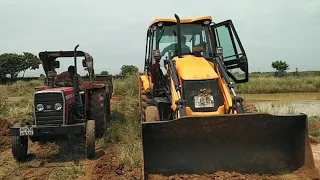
123,137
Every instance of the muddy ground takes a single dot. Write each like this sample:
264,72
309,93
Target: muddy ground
302,173
66,160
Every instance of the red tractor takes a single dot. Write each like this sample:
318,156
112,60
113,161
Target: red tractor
66,111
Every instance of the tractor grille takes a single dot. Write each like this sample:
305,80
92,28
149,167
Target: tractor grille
49,116
191,88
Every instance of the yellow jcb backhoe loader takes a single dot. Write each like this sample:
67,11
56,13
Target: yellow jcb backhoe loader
192,120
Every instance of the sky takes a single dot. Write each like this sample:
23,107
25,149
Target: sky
114,32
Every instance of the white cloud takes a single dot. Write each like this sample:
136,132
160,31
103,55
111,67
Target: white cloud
114,32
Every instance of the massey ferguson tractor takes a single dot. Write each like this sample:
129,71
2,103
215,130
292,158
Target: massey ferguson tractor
65,111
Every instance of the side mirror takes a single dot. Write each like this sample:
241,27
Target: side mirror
55,64
84,63
243,63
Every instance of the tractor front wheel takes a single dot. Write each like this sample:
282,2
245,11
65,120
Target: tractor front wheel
90,139
20,147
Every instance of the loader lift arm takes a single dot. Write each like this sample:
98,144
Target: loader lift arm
237,102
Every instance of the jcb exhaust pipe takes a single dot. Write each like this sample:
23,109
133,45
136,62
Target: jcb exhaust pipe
179,35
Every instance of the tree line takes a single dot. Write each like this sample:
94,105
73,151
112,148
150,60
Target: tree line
11,64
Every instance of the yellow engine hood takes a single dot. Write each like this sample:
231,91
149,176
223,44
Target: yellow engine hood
194,68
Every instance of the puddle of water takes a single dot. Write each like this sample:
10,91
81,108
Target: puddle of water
311,109
288,103
307,97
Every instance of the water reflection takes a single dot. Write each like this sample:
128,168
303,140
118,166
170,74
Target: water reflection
279,104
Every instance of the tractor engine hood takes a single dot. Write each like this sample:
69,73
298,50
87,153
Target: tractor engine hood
194,68
63,89
68,92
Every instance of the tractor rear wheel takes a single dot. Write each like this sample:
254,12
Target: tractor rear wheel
90,139
100,110
20,147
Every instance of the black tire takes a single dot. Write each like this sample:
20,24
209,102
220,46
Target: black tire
20,147
152,114
90,139
100,110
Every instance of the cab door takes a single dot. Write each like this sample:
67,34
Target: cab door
234,56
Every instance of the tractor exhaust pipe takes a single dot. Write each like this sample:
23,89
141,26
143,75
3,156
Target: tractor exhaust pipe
75,59
178,35
76,83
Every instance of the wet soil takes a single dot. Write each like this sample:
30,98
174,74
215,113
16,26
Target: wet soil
108,167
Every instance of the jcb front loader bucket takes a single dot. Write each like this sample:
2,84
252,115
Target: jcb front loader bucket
244,143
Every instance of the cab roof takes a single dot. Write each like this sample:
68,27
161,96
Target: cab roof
182,20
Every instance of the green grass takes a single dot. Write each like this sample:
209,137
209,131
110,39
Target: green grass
125,130
72,172
125,126
16,101
290,84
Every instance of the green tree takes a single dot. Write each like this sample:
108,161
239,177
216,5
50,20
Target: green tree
127,70
12,64
31,61
104,73
280,66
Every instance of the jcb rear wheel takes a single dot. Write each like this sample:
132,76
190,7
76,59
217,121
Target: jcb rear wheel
152,114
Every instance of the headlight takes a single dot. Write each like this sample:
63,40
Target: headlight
40,107
58,106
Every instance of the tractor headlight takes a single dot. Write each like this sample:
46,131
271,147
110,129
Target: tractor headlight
58,106
40,107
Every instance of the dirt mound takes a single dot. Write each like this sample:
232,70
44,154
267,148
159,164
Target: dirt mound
302,173
109,167
5,141
114,100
